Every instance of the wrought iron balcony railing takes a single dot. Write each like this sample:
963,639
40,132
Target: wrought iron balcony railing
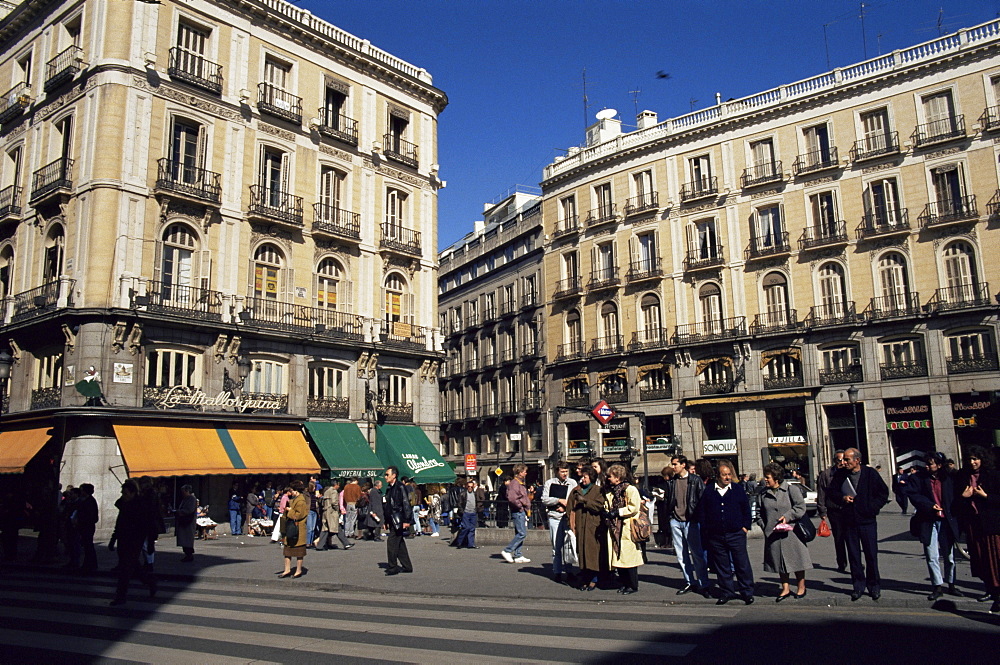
653,338
964,296
180,300
334,221
603,278
709,331
895,306
275,205
489,314
400,239
14,102
52,178
884,223
62,68
577,400
715,387
399,150
529,300
852,374
641,203
566,226
772,322
782,382
644,269
610,344
990,119
614,395
700,189
649,394
403,334
191,181
834,314
949,211
762,174
903,370
507,307
46,398
939,131
279,103
571,286
773,245
328,407
395,413
570,350
276,315
972,363
816,160
529,350
339,127
602,215
194,69
42,299
876,145
10,202
828,233
704,257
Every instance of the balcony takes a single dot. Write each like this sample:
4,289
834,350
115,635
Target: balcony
883,223
398,239
338,127
506,307
490,360
939,131
848,375
903,370
188,302
328,407
990,119
816,161
836,314
301,319
654,338
570,351
601,215
62,68
46,398
704,258
395,412
489,314
566,226
762,174
700,189
472,321
897,306
189,182
782,382
14,102
964,296
472,365
643,203
335,222
604,346
715,387
404,335
529,300
644,269
614,395
275,205
279,103
875,146
827,234
529,350
399,150
650,394
774,322
603,279
194,69
950,211
973,363
45,298
774,245
578,447
565,288
711,331
10,202
52,179
507,356
530,403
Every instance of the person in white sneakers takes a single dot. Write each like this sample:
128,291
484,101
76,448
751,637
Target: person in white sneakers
517,497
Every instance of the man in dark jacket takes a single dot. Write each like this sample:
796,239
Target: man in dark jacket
862,493
932,494
681,498
472,502
132,528
724,516
86,524
832,512
397,517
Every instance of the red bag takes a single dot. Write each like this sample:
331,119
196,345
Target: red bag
824,529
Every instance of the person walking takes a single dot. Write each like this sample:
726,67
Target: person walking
622,504
297,513
87,515
586,509
471,503
250,506
724,518
375,515
555,496
980,492
352,494
682,496
932,493
397,515
781,506
132,528
832,511
517,497
862,493
899,488
235,511
330,522
184,522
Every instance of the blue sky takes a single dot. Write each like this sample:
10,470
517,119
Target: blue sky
513,69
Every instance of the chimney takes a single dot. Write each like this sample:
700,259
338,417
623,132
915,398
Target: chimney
645,119
479,226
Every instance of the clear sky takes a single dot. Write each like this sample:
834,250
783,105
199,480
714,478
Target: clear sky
513,69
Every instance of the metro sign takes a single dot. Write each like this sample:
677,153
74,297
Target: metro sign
603,412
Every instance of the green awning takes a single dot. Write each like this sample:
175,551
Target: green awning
344,449
408,448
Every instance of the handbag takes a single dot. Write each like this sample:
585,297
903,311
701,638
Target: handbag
291,533
805,529
823,531
641,527
916,526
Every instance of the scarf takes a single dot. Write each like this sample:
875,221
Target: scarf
615,522
584,490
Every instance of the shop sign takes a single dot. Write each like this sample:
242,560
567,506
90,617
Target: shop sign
618,425
784,440
181,396
719,447
417,463
617,448
470,463
966,408
909,410
907,424
654,443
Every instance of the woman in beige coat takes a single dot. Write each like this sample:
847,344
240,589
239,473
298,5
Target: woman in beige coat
297,511
622,505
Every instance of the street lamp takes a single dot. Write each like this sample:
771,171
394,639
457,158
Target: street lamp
852,396
520,431
372,399
6,361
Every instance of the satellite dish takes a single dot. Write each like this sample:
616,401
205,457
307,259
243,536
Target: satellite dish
607,114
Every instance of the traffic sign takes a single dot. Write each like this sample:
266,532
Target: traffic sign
470,463
603,412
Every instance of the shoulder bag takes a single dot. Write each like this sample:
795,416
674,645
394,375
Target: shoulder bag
291,533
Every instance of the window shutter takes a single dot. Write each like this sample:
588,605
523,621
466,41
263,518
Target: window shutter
287,288
285,175
594,265
345,295
158,262
262,166
781,221
202,146
205,268
409,309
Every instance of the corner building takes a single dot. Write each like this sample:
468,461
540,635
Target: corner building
733,272
227,211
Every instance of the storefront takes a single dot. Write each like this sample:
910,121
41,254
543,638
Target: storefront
344,450
615,442
407,448
973,426
791,452
910,428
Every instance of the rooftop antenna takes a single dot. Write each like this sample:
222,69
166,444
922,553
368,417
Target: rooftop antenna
635,99
586,100
692,102
864,39
940,21
879,38
826,43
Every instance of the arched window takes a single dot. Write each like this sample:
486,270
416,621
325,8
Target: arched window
716,375
710,298
54,255
396,305
775,287
832,290
328,284
177,268
971,350
574,331
649,308
609,323
894,282
267,377
961,276
6,270
267,263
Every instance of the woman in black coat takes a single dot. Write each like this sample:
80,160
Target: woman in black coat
932,493
980,491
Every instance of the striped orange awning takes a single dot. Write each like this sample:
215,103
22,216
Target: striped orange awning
169,449
18,446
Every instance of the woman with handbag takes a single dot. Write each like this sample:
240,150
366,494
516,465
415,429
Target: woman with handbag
622,504
585,507
781,506
294,530
979,490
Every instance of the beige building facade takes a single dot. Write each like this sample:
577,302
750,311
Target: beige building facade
734,272
229,199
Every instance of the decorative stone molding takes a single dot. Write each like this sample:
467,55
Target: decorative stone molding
135,339
15,350
774,191
168,92
220,348
70,338
275,131
199,215
118,336
395,173
942,153
260,232
397,263
885,166
234,349
333,152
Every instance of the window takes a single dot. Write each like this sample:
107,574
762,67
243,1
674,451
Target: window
710,297
832,290
876,137
961,275
902,352
609,323
649,309
326,382
776,303
949,189
894,282
273,176
23,73
6,271
826,220
48,371
571,265
73,29
882,207
329,284
970,345
177,268
700,170
604,260
268,262
781,368
507,302
841,359
267,377
655,380
817,143
604,205
52,265
645,252
399,122
763,165
939,115
334,104
331,187
567,212
768,231
717,372
395,212
528,290
12,169
574,328
64,132
187,152
166,368
277,74
190,59
398,302
705,240
642,186
398,392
